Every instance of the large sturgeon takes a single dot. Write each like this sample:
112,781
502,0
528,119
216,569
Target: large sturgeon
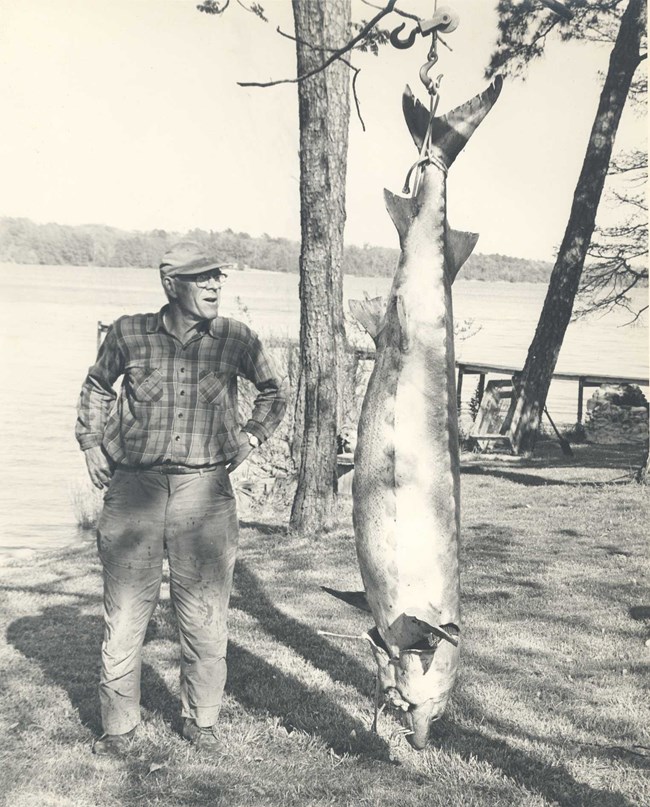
406,488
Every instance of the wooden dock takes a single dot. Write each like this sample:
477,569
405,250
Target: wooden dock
583,379
482,370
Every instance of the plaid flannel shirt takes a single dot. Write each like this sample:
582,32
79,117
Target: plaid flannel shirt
178,403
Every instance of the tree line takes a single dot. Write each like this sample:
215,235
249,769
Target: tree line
24,242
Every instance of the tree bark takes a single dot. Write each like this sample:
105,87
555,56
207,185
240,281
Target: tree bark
324,109
527,405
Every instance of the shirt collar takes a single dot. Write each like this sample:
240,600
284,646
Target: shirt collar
156,323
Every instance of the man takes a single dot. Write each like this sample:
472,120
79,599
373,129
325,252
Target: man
164,449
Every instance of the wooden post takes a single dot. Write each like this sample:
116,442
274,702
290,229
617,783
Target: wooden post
581,386
481,387
459,386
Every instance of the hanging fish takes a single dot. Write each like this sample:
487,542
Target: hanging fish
406,488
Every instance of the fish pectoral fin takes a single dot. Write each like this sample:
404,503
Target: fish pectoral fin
402,210
369,314
459,246
449,633
378,647
356,598
427,621
426,617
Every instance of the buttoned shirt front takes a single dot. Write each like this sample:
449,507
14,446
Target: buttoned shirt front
178,402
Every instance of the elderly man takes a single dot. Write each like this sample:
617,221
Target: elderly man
164,449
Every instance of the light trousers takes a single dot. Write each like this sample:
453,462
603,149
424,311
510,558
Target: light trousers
193,517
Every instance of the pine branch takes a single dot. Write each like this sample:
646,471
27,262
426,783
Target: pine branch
355,70
336,54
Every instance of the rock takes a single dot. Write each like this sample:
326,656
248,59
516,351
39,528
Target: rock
617,414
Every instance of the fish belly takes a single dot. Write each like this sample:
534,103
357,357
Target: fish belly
405,491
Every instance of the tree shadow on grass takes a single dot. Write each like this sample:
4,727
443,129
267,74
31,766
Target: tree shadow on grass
302,639
553,782
530,480
263,527
66,644
621,457
536,481
262,688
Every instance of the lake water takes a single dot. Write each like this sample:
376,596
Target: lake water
49,318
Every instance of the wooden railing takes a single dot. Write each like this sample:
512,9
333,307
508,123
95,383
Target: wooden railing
583,379
483,370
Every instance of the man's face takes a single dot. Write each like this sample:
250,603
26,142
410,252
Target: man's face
197,296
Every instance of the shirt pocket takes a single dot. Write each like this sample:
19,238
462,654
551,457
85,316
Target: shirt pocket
146,384
213,387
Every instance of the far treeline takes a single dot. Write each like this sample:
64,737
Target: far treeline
24,242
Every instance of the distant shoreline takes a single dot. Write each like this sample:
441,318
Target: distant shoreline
249,270
23,242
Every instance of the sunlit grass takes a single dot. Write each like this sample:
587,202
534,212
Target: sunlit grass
549,708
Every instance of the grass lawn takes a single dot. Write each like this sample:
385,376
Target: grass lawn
550,707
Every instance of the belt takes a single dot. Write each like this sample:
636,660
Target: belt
169,468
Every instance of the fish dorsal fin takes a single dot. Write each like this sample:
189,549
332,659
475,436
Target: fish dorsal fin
459,246
356,598
416,116
370,314
402,210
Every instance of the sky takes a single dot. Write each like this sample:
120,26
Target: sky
128,113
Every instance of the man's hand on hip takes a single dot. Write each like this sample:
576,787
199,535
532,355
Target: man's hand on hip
99,469
243,451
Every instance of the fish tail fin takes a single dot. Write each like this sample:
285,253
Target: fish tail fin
459,246
449,133
369,314
416,116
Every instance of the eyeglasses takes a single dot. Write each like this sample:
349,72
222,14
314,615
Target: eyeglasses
203,279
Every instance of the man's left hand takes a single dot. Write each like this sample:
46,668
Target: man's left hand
243,451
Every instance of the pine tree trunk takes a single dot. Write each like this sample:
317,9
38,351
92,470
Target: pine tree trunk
324,109
527,406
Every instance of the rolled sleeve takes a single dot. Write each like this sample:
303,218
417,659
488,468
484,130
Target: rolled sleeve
271,403
97,394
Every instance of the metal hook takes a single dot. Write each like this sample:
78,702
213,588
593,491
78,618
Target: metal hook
402,44
445,20
431,85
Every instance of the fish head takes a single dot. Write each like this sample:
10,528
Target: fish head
417,682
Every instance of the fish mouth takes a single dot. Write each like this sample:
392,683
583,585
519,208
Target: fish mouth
416,717
418,720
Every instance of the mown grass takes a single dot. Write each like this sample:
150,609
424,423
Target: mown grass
549,708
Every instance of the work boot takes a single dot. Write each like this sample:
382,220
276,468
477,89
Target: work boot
203,738
115,745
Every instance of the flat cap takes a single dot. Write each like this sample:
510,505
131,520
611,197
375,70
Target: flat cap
188,258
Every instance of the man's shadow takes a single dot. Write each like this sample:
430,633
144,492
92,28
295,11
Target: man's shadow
67,644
